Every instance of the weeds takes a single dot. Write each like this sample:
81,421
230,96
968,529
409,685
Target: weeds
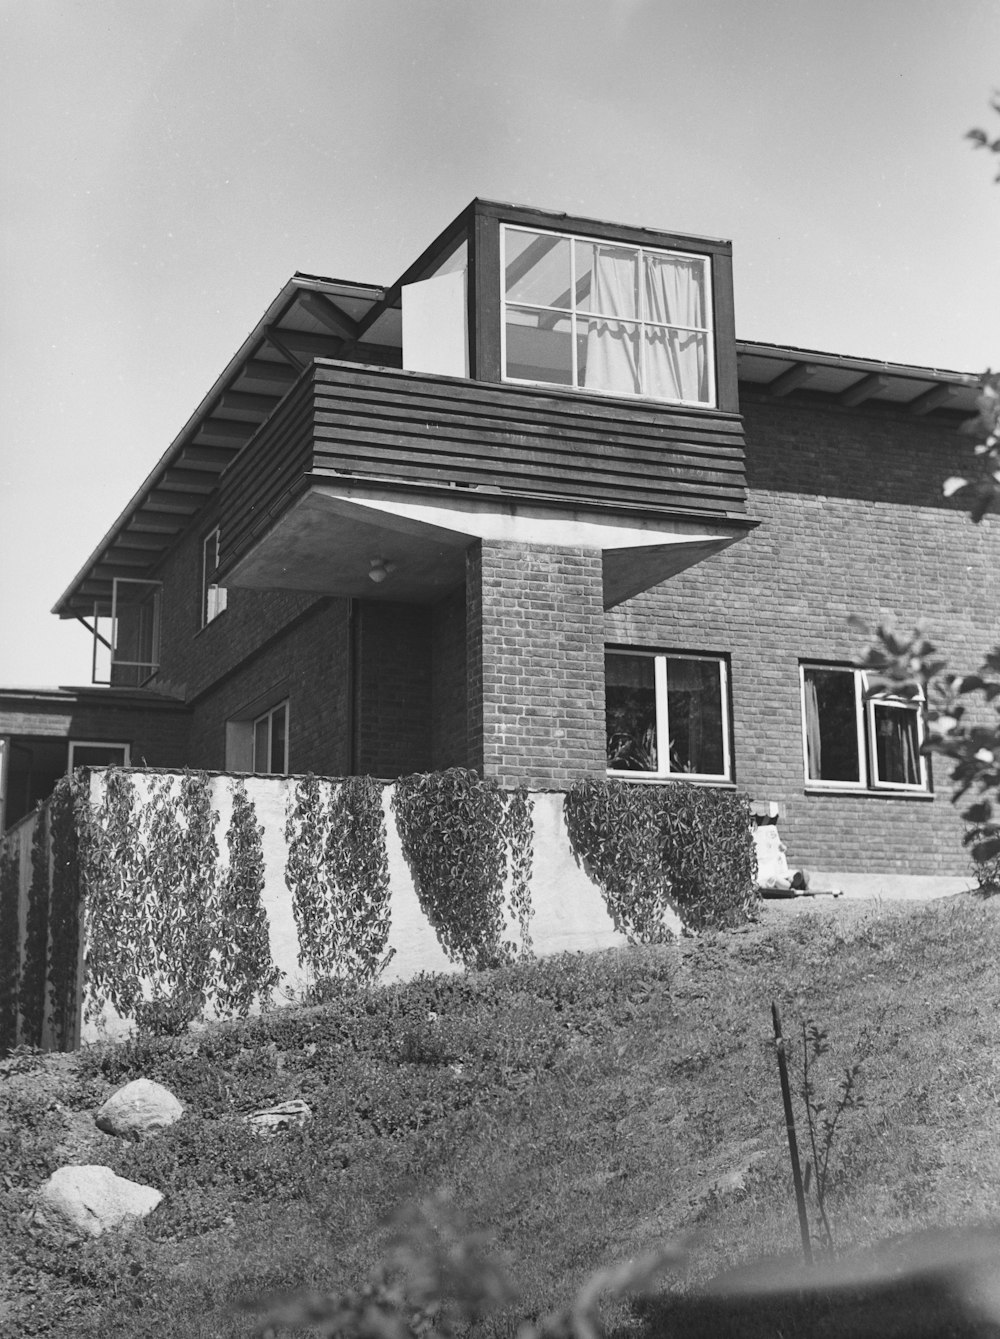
823,1126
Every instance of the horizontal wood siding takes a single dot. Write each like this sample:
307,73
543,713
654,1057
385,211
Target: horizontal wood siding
271,468
388,425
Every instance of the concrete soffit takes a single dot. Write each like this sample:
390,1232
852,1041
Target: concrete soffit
372,543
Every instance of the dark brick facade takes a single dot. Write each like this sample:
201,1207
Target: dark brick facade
851,522
534,629
507,674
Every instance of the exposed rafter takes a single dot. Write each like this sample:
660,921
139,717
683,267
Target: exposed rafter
267,371
225,430
792,380
277,340
863,389
211,459
329,314
936,398
243,402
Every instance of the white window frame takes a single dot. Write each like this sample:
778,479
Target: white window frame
709,331
214,598
146,668
269,716
866,704
660,679
75,744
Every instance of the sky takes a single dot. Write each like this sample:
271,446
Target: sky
166,165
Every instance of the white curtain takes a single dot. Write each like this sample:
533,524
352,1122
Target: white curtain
676,359
612,347
814,746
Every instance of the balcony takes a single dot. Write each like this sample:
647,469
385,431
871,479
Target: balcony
363,463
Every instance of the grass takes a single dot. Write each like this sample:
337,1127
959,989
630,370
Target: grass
578,1110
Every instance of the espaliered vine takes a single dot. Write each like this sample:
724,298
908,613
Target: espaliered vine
10,951
460,836
36,935
166,931
338,874
114,868
653,849
245,968
69,811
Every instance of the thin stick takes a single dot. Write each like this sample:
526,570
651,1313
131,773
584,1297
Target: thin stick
793,1148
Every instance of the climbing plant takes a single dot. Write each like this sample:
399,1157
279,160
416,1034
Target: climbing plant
31,1002
10,949
462,837
338,874
653,849
245,968
68,814
114,862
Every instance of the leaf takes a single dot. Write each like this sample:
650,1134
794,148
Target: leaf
954,485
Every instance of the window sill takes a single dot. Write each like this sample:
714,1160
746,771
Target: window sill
631,777
864,793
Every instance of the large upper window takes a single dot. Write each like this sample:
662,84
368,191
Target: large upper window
667,716
854,741
607,317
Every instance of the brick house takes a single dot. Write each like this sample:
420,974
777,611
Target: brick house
533,509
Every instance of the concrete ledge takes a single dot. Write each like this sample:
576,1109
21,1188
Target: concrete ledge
892,887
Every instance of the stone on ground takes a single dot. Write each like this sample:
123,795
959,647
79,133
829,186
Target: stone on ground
141,1107
90,1200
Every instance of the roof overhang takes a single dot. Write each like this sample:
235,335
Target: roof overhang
777,371
310,317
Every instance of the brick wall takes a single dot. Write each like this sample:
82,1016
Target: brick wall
534,628
193,657
449,686
309,665
393,688
852,521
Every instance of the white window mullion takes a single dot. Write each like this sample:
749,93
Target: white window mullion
727,763
662,717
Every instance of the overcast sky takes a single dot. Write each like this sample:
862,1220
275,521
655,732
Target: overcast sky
166,165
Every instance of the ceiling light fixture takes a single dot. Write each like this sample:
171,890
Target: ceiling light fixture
379,569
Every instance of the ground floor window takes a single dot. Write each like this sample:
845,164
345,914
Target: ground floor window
855,741
89,753
667,715
270,741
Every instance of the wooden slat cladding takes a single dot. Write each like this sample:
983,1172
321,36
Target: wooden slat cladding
384,424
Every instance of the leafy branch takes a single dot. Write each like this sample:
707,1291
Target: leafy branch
981,139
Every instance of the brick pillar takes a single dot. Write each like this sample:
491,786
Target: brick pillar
535,646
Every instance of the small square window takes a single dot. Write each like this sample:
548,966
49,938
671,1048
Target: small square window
213,597
855,740
667,716
97,753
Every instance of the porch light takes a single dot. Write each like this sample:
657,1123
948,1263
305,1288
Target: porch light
379,569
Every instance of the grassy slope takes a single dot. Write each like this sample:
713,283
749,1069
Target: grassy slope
577,1109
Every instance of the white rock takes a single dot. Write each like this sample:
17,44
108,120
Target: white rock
89,1200
281,1117
141,1107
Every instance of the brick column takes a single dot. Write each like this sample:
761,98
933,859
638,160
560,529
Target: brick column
535,634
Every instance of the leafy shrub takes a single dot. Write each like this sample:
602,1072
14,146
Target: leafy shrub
169,1015
653,848
9,947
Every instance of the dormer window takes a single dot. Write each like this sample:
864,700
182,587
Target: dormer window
607,317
